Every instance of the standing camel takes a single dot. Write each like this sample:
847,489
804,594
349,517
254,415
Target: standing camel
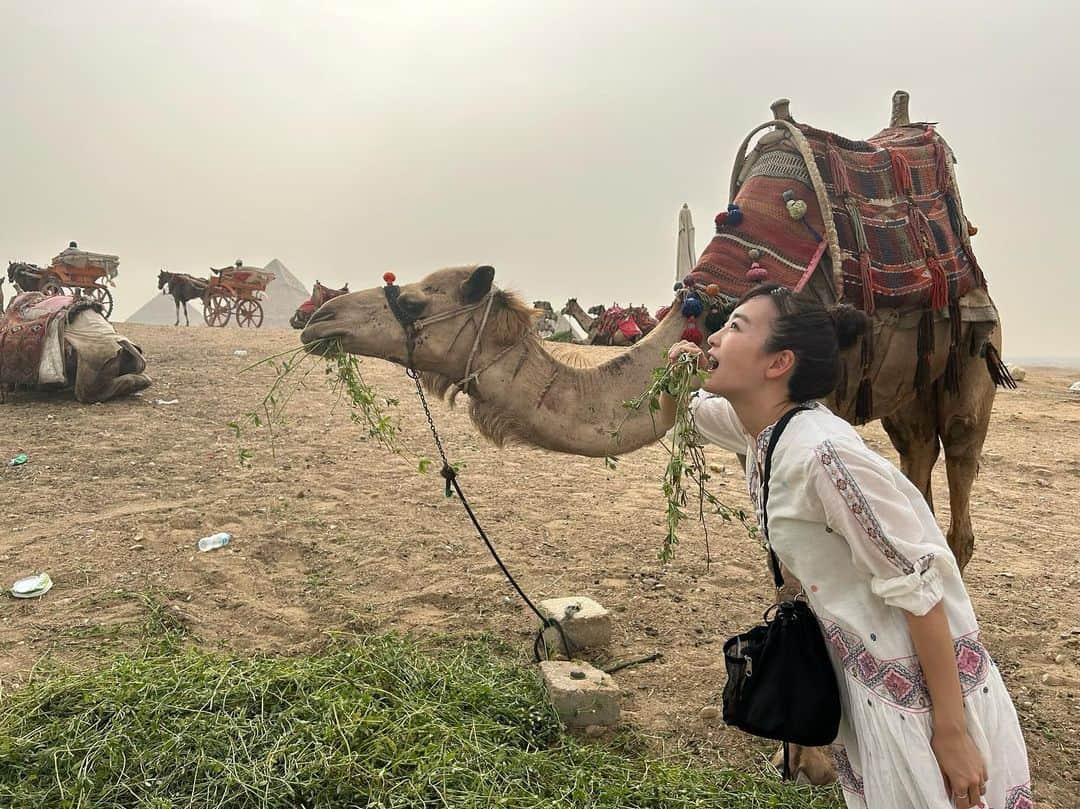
573,309
885,229
183,288
528,393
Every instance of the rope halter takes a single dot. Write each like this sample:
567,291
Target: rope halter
414,325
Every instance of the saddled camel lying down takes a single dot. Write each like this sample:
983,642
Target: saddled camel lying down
59,342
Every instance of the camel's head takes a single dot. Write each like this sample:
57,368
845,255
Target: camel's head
162,279
448,306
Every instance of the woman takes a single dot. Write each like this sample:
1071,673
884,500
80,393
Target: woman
927,722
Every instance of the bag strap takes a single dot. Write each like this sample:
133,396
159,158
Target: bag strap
778,579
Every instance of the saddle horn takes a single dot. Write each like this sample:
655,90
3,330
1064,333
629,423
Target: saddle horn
781,110
900,109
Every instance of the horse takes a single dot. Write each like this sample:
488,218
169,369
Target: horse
319,295
183,288
25,277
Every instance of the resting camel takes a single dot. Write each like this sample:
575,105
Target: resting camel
319,295
59,342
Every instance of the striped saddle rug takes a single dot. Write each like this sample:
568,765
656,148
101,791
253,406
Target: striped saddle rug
885,211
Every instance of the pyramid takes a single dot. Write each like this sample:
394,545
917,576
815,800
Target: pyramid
281,299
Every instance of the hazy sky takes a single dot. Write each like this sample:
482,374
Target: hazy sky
555,141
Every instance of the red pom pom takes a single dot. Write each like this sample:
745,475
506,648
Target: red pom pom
389,277
693,334
757,273
721,219
712,290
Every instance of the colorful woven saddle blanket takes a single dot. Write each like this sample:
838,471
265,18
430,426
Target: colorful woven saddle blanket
885,212
29,334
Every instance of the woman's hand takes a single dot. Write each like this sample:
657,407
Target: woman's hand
686,347
962,767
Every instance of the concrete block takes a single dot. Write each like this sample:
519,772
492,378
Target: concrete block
586,623
582,694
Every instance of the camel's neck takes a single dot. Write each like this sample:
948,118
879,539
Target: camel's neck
582,317
549,402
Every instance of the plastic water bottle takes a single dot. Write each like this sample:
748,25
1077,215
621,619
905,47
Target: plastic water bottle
214,541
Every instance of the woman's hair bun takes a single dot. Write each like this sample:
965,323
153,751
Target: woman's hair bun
850,324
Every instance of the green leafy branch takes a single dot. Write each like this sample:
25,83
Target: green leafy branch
342,374
686,473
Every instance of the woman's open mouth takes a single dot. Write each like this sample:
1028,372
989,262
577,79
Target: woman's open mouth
714,363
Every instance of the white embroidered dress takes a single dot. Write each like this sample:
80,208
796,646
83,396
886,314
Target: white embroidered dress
864,544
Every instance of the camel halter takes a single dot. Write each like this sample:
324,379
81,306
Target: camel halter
414,325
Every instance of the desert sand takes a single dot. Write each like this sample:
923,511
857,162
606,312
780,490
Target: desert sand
333,533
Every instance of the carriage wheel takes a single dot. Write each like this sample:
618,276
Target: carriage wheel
102,296
217,308
50,285
249,313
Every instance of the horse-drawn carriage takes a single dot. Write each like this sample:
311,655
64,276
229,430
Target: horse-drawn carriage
74,272
235,290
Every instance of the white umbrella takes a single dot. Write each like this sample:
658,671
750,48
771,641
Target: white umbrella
685,259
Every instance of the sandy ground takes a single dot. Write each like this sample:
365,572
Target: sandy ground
336,534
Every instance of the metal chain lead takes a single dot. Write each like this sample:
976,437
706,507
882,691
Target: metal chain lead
449,473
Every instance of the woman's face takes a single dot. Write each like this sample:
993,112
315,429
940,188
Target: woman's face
737,356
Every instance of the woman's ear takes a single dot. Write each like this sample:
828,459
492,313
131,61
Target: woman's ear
781,364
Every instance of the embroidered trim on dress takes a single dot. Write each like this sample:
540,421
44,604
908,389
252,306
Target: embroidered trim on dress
850,781
900,682
848,487
1020,797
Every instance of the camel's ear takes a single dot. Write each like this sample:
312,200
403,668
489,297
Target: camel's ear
478,284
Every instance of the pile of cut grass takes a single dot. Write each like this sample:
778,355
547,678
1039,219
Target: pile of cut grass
374,721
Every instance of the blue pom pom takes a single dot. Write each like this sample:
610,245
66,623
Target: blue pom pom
734,215
692,307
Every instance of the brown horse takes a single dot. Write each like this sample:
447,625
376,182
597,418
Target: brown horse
183,288
319,295
25,277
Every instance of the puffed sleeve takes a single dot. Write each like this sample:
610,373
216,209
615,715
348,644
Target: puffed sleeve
715,422
892,536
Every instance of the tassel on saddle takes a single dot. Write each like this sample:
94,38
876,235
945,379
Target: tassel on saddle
999,372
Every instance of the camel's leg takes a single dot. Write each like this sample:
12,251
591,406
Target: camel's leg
177,302
809,765
186,321
913,431
962,423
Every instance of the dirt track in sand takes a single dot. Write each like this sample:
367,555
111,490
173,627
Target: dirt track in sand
335,534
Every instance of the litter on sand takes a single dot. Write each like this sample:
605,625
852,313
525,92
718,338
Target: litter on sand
32,586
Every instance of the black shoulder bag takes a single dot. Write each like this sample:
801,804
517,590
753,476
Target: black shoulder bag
781,683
